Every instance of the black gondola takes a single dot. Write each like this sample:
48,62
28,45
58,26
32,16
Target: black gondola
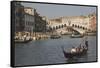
76,54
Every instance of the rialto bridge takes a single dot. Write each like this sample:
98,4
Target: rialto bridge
63,27
76,23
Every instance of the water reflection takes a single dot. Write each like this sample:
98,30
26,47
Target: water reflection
77,59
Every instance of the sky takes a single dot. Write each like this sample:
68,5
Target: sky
55,11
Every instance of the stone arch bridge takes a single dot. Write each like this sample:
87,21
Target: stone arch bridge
73,27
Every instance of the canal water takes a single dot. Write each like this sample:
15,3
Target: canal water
49,51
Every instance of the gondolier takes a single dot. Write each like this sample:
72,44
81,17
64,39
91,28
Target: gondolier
86,43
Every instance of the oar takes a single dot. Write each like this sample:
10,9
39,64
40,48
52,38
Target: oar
62,48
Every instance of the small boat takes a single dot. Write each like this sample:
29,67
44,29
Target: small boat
77,36
55,36
23,41
76,54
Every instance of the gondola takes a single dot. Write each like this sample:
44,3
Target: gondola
23,41
77,54
76,36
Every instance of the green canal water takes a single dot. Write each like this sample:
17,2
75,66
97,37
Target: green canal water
49,51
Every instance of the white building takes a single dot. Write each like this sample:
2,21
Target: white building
29,10
29,20
29,23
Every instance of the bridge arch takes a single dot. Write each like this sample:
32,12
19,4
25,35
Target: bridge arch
56,27
62,26
53,28
49,28
73,25
65,25
59,27
83,28
78,26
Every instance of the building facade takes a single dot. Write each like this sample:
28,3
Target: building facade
40,23
84,22
27,20
92,23
19,17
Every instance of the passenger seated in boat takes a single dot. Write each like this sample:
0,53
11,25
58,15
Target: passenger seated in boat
81,49
77,50
73,50
85,47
